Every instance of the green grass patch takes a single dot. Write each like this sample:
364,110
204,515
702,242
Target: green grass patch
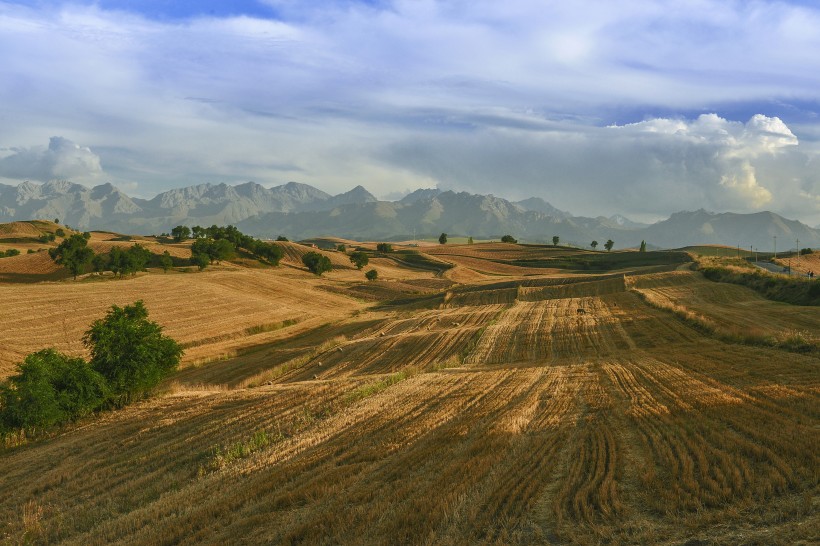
370,389
794,290
605,261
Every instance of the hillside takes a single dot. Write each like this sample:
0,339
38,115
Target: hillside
300,211
477,401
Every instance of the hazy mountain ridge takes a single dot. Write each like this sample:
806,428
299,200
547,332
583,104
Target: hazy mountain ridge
300,211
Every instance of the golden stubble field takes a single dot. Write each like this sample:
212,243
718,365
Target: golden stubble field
557,408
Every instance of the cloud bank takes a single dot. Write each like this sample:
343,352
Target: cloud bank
642,106
62,159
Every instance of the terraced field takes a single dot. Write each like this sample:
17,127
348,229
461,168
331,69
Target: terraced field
549,409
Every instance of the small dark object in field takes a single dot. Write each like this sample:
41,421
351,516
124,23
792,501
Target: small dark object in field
582,312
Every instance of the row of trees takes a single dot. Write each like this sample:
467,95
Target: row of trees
74,254
129,357
218,243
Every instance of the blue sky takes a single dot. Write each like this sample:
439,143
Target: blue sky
639,107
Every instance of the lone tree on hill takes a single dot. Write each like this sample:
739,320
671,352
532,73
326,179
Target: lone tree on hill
509,239
180,233
643,246
372,275
316,263
130,351
609,244
359,259
73,253
384,247
555,240
470,240
442,239
594,245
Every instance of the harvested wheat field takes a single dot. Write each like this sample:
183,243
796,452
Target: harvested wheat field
505,409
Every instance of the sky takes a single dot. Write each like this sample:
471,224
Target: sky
636,107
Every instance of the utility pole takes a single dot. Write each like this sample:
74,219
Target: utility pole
775,246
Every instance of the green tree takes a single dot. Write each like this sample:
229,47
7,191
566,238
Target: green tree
50,388
609,244
555,240
643,246
341,248
59,232
316,263
359,259
470,240
130,351
166,261
73,254
282,239
594,245
384,247
99,263
508,239
181,233
372,275
56,220
137,258
197,232
442,239
200,260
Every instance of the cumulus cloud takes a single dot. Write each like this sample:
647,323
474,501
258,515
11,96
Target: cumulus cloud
653,167
62,159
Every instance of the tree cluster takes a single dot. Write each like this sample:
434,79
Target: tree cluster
122,262
9,253
129,357
217,243
509,239
384,247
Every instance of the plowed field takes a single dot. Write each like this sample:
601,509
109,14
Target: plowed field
555,409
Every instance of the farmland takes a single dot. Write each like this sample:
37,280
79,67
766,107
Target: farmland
485,402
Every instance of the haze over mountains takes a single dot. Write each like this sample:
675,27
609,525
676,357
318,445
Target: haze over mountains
300,211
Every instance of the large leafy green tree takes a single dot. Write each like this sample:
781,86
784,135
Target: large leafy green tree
180,233
359,259
130,351
609,244
73,254
555,240
50,388
442,239
316,263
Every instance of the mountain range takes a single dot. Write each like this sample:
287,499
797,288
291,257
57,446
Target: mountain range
301,211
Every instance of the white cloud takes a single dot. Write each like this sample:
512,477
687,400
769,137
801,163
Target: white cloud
62,159
486,96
